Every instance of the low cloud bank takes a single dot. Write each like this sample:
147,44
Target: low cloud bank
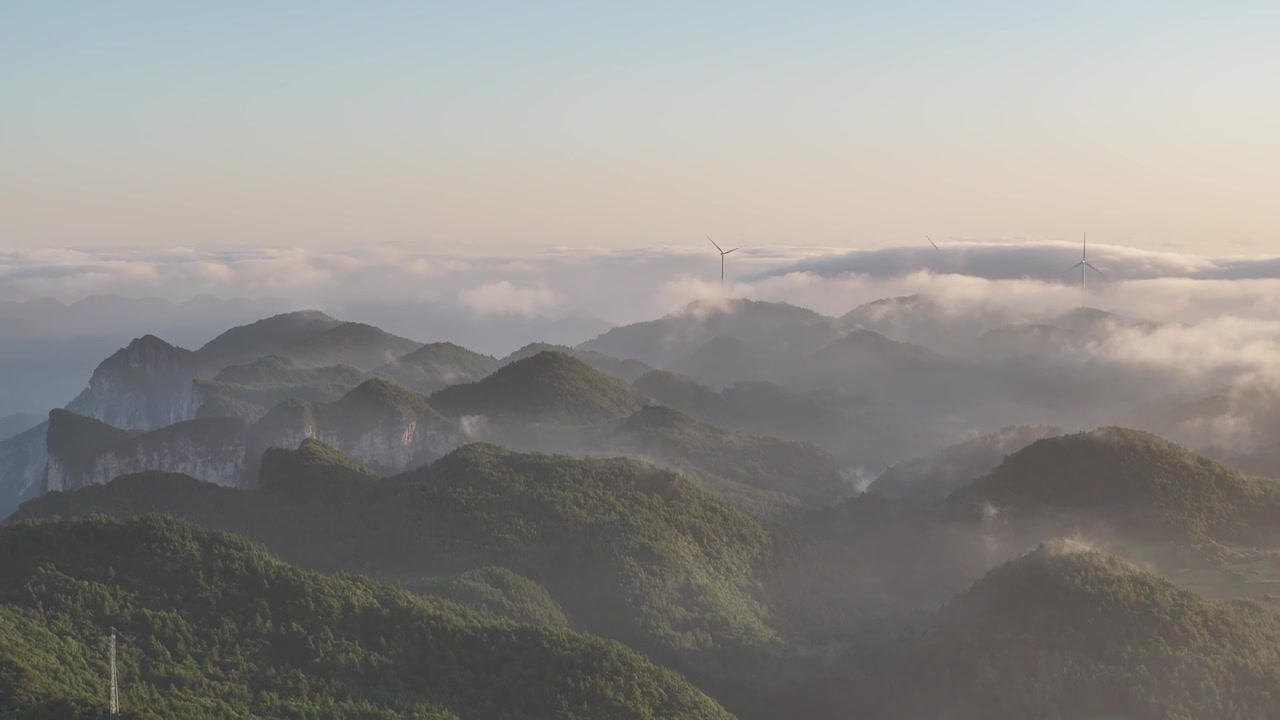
1204,329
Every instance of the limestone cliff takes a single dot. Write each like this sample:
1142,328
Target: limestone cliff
83,451
143,386
379,424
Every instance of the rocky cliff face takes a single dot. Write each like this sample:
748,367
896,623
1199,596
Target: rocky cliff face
379,424
22,466
144,386
212,450
394,446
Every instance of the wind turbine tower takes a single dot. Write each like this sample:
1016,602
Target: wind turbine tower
723,252
1085,266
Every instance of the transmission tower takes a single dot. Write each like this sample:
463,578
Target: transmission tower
115,690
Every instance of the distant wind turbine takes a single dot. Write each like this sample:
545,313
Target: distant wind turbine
722,254
1085,266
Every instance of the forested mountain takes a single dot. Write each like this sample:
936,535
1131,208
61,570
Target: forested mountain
83,451
246,343
213,626
711,520
858,431
627,550
48,348
660,342
379,423
622,369
437,365
1136,483
763,475
248,391
549,387
1065,632
953,467
142,386
151,383
356,344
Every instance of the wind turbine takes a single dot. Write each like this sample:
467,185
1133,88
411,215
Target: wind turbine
722,254
1085,266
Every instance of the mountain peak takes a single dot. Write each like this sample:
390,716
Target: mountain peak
1135,479
312,462
437,365
359,345
147,353
550,385
246,343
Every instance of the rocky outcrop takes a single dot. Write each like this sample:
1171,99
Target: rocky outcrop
150,384
84,451
379,424
143,386
209,449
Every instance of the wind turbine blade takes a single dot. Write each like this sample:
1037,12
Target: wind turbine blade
934,244
713,242
1091,267
726,252
1073,267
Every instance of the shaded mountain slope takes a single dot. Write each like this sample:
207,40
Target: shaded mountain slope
1068,633
84,451
1136,482
437,365
270,640
625,549
248,391
144,385
851,427
380,424
356,344
549,387
761,474
942,473
623,369
247,343
659,342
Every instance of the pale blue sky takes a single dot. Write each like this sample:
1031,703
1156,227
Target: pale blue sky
488,125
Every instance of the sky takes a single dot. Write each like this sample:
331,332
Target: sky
497,127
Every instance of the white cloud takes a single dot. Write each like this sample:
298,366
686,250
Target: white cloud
504,298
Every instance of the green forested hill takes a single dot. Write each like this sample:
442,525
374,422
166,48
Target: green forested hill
248,391
350,343
625,549
1066,633
213,626
437,365
624,370
1137,481
764,475
76,440
546,387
